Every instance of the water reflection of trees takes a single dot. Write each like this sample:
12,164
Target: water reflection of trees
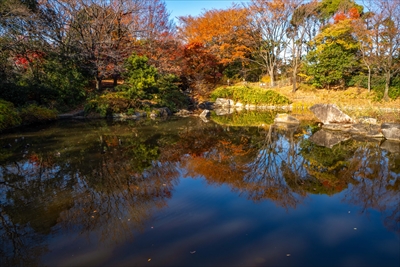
111,180
119,176
284,166
376,184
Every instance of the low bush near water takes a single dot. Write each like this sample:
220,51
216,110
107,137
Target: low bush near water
9,116
250,95
33,114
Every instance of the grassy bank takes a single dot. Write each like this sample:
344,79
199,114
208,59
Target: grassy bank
356,102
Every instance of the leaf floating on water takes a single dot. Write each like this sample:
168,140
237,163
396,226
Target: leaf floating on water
287,255
355,228
192,252
149,259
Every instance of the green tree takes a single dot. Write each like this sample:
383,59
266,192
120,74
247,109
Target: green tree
334,56
140,77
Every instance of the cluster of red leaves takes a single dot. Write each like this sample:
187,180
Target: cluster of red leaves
351,14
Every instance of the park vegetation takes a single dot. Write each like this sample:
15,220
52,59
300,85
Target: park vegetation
127,55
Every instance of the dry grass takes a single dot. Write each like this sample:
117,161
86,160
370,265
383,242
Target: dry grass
356,102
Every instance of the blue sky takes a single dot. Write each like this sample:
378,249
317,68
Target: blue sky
179,8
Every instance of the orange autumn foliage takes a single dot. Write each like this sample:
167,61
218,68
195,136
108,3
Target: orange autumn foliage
351,14
225,33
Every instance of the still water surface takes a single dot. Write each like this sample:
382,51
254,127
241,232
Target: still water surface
184,192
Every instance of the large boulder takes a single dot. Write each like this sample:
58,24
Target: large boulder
391,131
223,102
330,113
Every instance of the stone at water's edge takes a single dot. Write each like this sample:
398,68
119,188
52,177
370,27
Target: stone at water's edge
206,113
329,113
391,131
285,118
224,102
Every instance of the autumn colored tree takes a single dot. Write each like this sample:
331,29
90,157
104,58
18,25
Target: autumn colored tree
386,39
200,68
225,33
271,21
334,56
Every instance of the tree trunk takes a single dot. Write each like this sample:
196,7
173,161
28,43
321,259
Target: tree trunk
369,79
387,83
294,82
271,75
98,83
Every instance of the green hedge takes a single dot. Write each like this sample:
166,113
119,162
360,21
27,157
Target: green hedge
250,95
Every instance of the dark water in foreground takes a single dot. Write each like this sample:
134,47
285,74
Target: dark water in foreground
188,193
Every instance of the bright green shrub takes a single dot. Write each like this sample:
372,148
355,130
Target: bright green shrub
8,115
140,77
250,95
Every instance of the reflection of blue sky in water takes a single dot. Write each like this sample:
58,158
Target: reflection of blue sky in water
233,231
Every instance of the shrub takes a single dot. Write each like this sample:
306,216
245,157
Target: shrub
250,95
377,85
109,103
33,114
9,116
169,94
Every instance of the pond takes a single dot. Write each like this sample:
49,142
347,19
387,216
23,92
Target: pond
184,192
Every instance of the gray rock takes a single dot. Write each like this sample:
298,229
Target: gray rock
391,131
367,120
329,113
285,118
328,138
206,113
224,102
337,127
164,112
183,113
